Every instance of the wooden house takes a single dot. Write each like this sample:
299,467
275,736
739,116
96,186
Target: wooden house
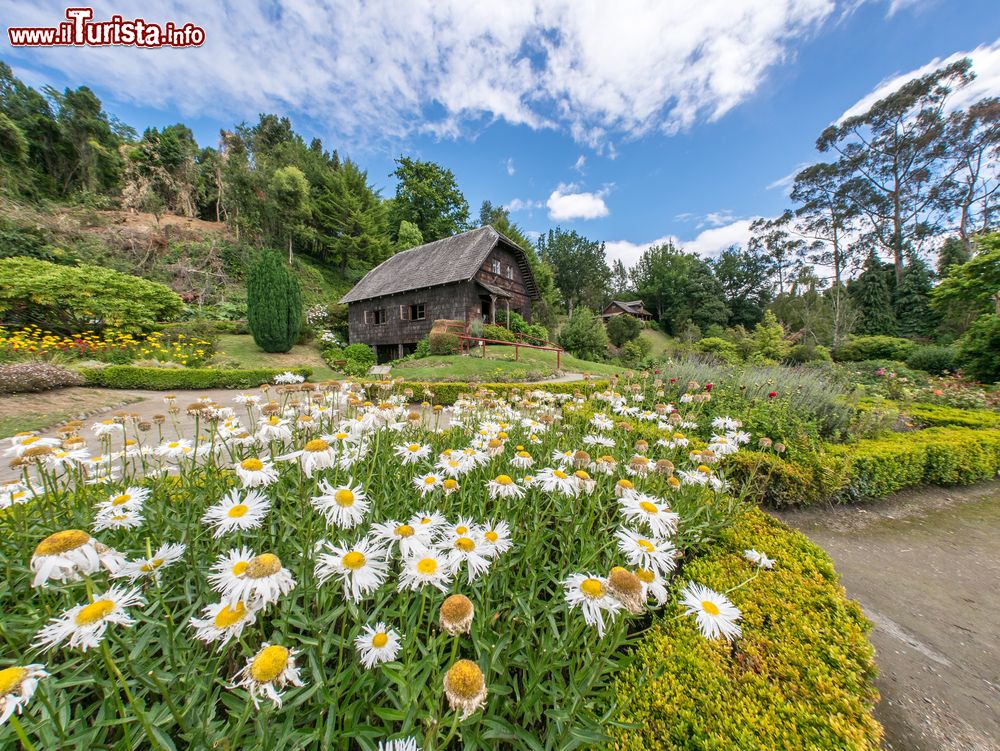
472,276
633,308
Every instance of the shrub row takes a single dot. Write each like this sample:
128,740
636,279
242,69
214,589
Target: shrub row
799,678
446,393
35,375
133,377
870,468
932,415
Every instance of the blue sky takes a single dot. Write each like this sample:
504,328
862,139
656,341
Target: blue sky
630,122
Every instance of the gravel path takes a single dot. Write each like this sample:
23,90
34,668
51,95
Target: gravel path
925,566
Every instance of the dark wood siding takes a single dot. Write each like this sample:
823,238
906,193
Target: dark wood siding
520,301
449,301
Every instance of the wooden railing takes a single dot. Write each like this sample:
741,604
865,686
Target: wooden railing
466,343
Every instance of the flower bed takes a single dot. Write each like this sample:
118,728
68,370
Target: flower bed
800,678
474,584
110,346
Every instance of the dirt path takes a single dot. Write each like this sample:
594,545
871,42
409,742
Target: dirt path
925,566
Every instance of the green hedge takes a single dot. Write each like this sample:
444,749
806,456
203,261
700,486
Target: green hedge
132,377
932,415
801,677
447,393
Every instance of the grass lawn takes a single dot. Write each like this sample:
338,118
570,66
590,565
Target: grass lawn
239,350
497,367
22,412
660,342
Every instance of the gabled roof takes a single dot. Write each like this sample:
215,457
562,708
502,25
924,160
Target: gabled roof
453,259
632,306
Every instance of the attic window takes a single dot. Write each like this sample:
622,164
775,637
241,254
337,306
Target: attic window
510,272
496,266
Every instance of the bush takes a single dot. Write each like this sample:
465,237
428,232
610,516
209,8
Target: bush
623,328
333,356
803,353
932,415
801,677
771,480
36,375
979,349
442,339
491,331
203,331
584,335
932,359
859,348
75,298
720,348
446,393
634,352
360,358
423,348
274,303
131,377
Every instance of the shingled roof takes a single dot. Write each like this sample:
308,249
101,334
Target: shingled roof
453,259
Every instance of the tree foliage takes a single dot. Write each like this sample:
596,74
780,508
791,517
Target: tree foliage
623,328
680,288
428,196
744,276
274,303
584,335
579,268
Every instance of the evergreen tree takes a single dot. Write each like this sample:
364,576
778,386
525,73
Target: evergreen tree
409,236
952,253
914,316
873,298
274,303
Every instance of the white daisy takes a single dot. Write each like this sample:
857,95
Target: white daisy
268,671
120,519
233,513
646,551
522,460
409,538
362,567
256,473
557,481
223,621
592,596
759,558
430,567
715,614
83,626
377,644
17,686
399,744
429,521
470,550
164,556
654,512
273,428
257,580
342,505
496,537
503,486
411,453
130,499
426,483
70,554
653,585
174,450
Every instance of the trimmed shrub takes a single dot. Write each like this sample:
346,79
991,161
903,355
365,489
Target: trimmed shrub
720,348
859,348
36,375
442,340
932,359
75,298
446,393
491,331
131,377
772,480
801,677
584,335
933,415
623,328
979,349
360,358
274,303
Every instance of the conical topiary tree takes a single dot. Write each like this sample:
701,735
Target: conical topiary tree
274,303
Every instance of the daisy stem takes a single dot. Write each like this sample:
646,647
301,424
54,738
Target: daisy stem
22,736
114,671
743,583
42,694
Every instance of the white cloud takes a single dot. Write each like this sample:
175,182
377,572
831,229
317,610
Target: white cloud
564,204
579,164
985,64
518,204
368,72
708,243
716,218
509,164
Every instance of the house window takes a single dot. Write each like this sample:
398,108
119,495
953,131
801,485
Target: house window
378,316
417,312
510,272
496,266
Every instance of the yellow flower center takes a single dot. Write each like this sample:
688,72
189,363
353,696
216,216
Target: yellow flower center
645,575
581,475
524,454
674,482
704,469
560,474
121,500
317,444
341,436
709,607
504,480
404,530
465,544
427,566
646,545
235,512
95,612
269,663
230,616
10,679
344,497
592,588
62,542
240,567
173,444
353,560
265,564
29,441
491,536
465,679
380,640
151,565
461,530
252,465
430,480
426,520
449,484
414,447
649,508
